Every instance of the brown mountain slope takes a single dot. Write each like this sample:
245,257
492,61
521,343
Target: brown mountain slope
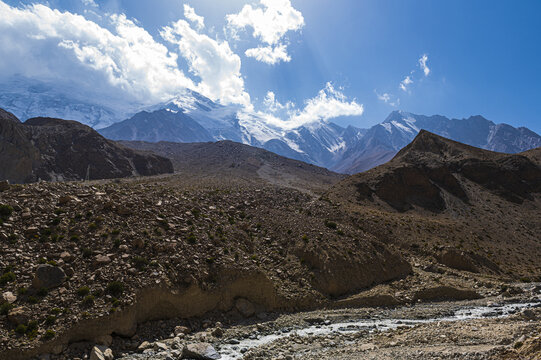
228,159
54,149
432,171
467,207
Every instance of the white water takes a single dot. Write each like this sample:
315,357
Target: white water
235,351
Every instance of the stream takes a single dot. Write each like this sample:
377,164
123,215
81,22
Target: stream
235,348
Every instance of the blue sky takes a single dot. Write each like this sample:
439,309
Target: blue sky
483,57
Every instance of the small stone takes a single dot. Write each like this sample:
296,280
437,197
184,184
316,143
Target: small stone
64,199
217,332
18,316
528,314
200,351
181,330
4,185
102,259
144,345
31,231
48,276
138,243
66,256
159,346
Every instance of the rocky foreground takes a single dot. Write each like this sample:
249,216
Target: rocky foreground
87,268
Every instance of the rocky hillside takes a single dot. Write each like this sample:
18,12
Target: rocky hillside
84,260
226,160
54,149
478,208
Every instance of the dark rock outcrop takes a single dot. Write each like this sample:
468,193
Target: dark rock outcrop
17,154
54,149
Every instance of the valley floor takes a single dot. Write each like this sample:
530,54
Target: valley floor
491,328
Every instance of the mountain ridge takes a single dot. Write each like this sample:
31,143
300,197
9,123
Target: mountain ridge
58,150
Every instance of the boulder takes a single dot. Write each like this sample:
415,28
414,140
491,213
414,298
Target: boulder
101,353
245,307
200,351
8,297
48,276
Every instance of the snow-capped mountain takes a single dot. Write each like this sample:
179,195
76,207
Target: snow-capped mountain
192,117
318,143
381,142
27,98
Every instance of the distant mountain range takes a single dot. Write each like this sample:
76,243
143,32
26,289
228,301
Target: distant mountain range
191,117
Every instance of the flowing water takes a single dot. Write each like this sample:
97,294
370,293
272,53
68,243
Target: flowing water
236,349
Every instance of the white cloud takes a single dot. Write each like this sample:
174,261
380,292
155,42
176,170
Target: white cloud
384,97
113,55
212,61
422,64
388,98
405,83
46,43
189,13
270,21
272,105
90,3
269,54
329,103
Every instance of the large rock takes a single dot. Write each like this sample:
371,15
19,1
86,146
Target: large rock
245,307
48,276
8,297
101,353
200,351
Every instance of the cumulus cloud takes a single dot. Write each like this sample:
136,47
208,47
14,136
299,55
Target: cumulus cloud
189,13
118,57
329,103
269,54
42,42
422,64
405,83
270,21
212,61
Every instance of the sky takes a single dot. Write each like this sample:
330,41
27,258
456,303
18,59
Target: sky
295,61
